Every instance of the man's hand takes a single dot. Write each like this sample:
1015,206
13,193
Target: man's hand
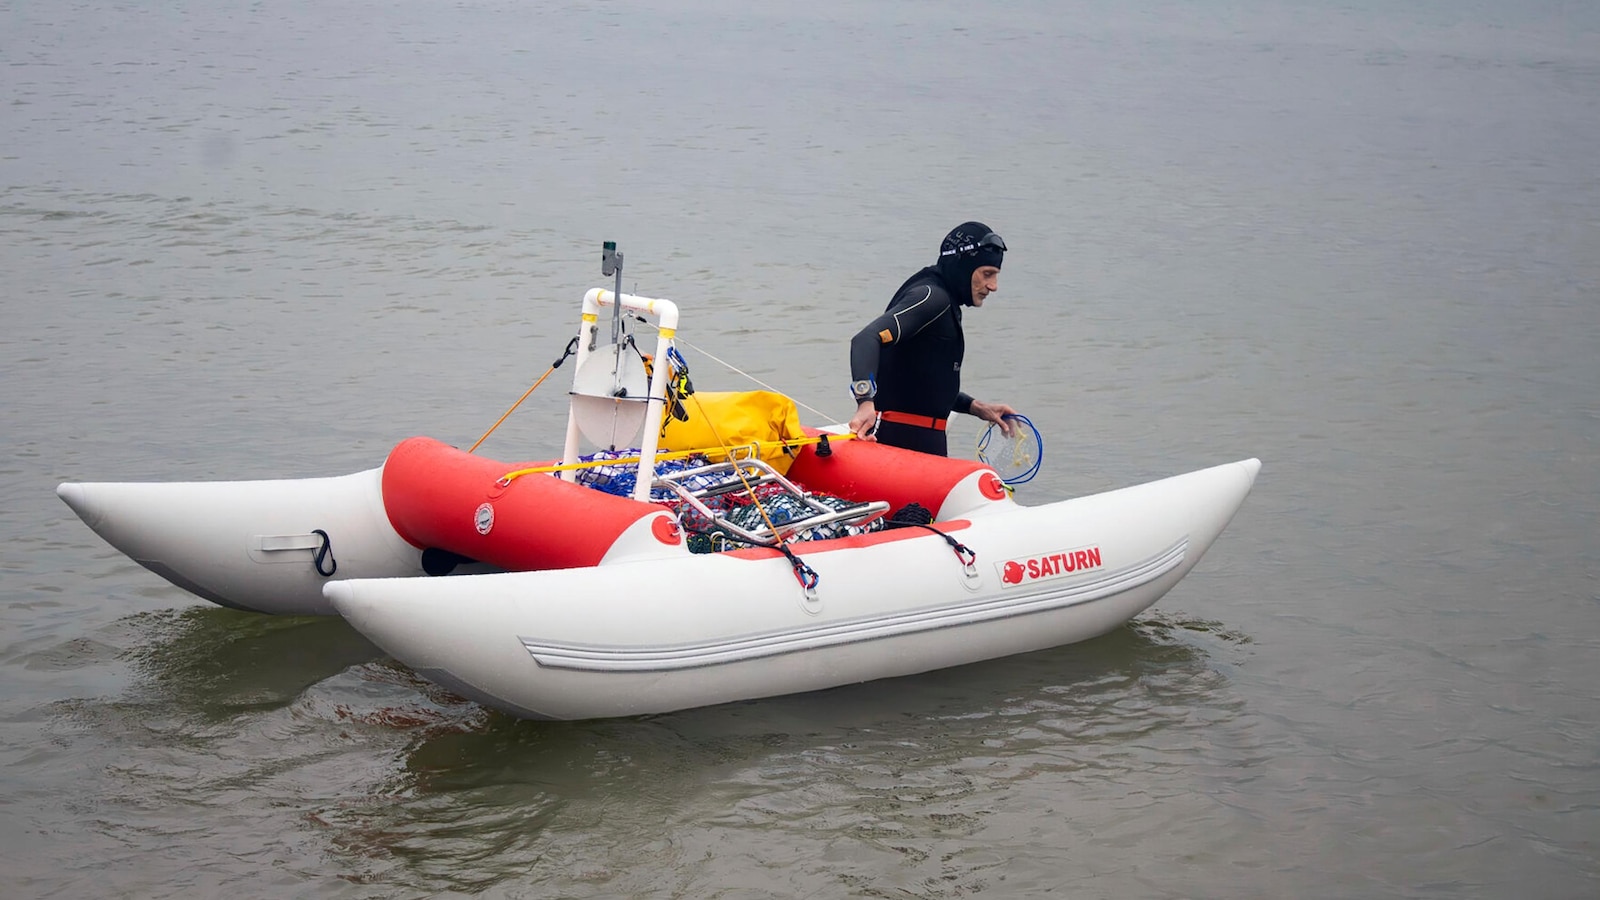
865,419
994,412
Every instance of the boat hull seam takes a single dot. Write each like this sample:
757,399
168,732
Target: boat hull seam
600,658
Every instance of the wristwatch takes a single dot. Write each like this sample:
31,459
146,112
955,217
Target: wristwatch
863,390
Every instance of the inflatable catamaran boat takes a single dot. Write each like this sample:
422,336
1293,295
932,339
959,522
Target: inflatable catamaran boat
724,552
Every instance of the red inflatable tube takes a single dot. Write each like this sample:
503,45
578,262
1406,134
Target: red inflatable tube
438,496
863,470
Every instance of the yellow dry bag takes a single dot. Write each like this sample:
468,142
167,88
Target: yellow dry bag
735,419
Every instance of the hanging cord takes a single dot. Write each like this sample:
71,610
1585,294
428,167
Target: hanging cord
644,358
572,347
679,387
803,573
738,371
963,552
760,507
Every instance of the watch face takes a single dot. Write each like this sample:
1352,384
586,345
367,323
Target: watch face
861,388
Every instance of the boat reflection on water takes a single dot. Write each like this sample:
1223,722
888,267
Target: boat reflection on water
1149,675
212,663
377,768
907,754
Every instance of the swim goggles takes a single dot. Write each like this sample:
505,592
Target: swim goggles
990,240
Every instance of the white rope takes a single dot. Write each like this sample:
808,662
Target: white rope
700,350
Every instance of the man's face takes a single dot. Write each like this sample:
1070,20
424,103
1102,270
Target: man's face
985,281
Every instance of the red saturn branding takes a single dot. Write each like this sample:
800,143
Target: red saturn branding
1051,565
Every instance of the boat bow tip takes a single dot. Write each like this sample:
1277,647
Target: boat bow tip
1252,467
75,496
341,594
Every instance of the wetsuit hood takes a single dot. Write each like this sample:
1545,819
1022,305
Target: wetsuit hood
960,256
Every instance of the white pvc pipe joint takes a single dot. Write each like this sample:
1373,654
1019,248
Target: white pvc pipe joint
666,315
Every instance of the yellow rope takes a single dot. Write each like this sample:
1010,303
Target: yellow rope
737,470
513,408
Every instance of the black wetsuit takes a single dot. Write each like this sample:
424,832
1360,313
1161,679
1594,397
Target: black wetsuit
913,352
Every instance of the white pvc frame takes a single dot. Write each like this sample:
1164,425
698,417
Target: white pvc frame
666,315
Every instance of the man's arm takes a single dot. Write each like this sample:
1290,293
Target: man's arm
913,311
989,412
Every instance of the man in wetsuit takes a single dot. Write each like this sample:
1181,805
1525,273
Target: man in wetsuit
905,366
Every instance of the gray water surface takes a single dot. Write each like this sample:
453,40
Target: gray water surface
1360,241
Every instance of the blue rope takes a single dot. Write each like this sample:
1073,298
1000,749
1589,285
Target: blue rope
1026,475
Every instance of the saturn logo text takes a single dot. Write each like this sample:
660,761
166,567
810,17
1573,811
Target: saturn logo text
1051,565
